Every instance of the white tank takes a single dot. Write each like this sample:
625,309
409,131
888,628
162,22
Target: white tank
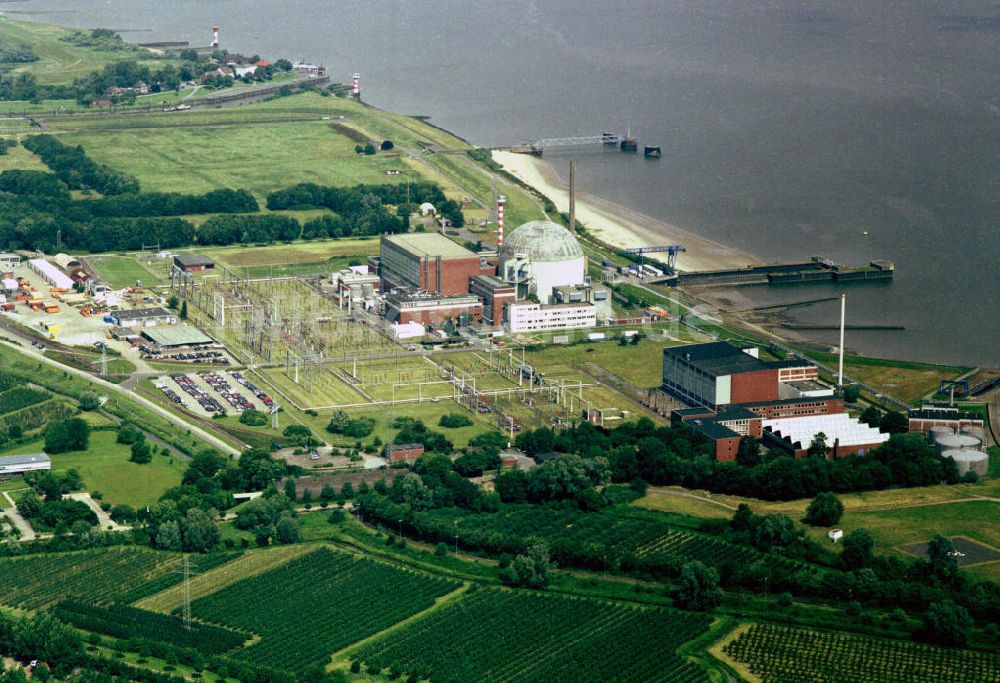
974,430
938,431
969,460
950,441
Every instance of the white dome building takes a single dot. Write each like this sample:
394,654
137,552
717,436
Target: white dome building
540,255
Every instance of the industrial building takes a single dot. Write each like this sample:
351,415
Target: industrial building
430,262
173,336
355,285
192,263
930,415
66,262
844,435
9,262
51,274
141,317
17,465
496,296
527,316
428,308
539,256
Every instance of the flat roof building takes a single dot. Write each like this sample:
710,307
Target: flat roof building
50,273
430,262
141,317
428,308
9,262
172,336
528,317
717,374
15,465
190,263
496,296
844,434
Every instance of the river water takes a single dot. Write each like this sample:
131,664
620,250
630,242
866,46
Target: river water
789,127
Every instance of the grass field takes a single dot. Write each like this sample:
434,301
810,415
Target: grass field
906,380
59,62
123,271
240,257
253,157
105,467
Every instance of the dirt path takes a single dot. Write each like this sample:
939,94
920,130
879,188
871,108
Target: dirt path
693,496
17,520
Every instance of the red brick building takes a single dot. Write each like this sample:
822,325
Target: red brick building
430,262
403,452
923,418
431,309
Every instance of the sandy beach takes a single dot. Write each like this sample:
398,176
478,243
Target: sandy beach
620,226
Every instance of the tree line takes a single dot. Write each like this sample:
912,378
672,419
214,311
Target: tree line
77,170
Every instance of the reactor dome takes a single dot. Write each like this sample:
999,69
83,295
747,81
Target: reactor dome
540,255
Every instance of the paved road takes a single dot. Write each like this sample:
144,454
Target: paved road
115,389
15,518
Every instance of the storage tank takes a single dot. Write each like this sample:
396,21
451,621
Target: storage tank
938,431
968,460
950,441
974,430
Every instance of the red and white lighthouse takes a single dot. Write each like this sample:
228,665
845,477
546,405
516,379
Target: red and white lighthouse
215,36
356,92
501,200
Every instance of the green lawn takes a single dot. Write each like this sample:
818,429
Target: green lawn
105,467
122,271
259,158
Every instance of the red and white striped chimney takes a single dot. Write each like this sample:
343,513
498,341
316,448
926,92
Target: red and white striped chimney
357,86
501,200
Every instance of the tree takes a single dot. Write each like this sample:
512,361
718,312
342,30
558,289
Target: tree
201,533
141,452
168,537
184,310
89,401
818,448
253,417
748,453
947,623
852,393
858,549
531,569
894,423
290,490
287,528
369,149
941,559
698,587
824,510
871,416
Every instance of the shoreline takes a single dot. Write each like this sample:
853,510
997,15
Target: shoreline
620,226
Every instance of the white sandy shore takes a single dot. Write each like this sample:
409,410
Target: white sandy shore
620,226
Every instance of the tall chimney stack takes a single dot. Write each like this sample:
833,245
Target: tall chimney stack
572,196
840,365
501,200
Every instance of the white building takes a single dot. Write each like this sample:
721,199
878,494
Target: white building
9,262
407,330
50,273
14,465
539,256
527,316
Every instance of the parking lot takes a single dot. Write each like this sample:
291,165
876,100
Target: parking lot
212,392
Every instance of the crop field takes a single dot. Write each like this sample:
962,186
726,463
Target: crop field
521,636
124,622
17,398
105,466
98,576
779,654
123,271
317,604
258,158
211,579
578,538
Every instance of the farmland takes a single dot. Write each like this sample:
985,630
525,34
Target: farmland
97,576
317,604
779,654
518,636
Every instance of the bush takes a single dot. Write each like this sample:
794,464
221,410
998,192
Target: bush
455,420
824,510
89,401
441,549
253,418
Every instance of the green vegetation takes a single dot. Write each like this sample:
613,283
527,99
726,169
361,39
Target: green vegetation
317,604
123,271
493,634
121,621
780,653
906,380
98,576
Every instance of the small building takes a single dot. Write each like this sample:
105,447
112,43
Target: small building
9,262
354,285
173,336
403,452
124,334
427,209
141,317
66,262
192,263
835,534
527,316
244,70
407,330
17,465
930,415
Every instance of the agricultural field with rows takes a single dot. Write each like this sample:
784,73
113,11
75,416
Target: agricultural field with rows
124,622
505,635
317,604
16,398
581,535
98,576
780,654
